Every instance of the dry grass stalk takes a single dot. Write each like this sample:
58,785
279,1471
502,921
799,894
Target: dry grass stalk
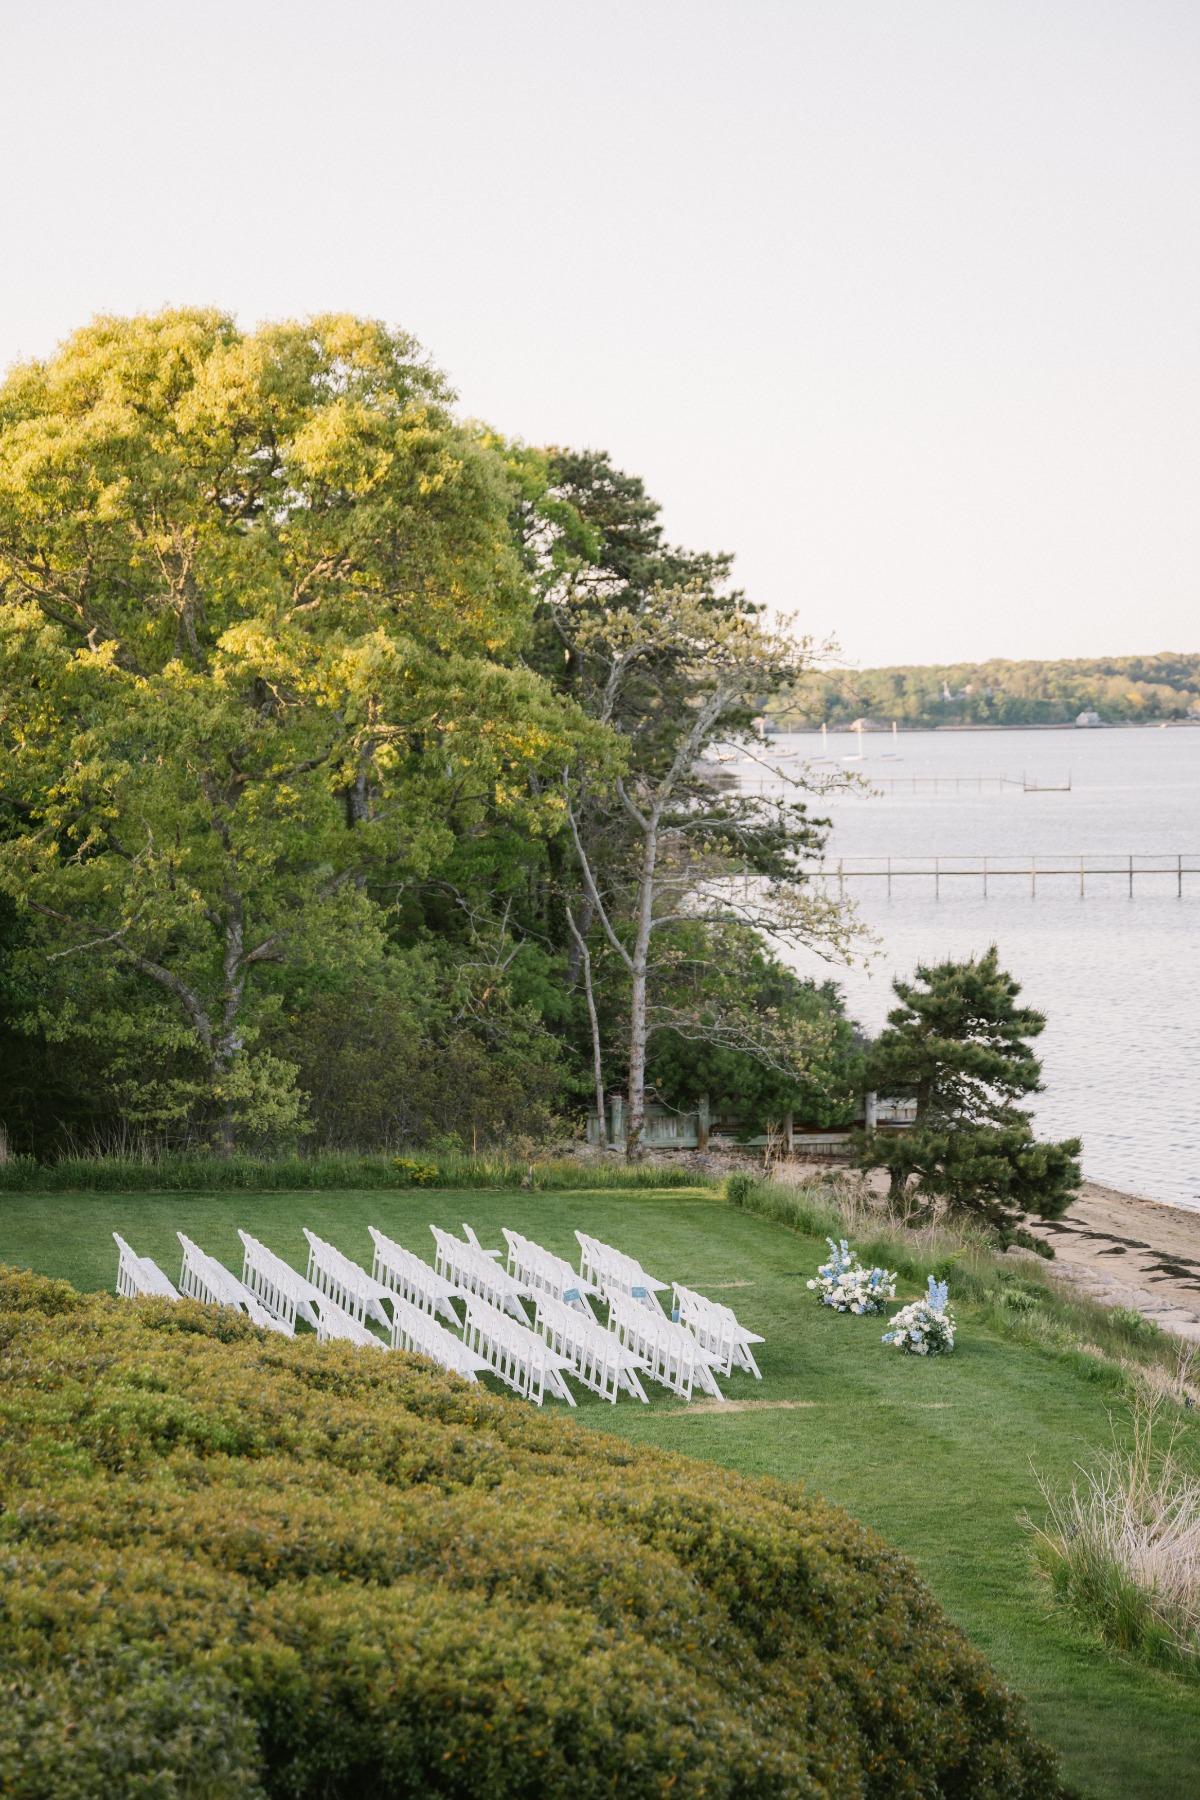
1122,1546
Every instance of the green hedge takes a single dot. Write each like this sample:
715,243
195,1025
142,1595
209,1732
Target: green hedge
230,1563
263,1175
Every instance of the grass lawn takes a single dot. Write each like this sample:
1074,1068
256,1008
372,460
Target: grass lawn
936,1456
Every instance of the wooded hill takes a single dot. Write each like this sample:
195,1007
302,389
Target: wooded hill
1122,689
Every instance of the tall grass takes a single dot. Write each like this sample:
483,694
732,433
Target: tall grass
1122,1545
179,1172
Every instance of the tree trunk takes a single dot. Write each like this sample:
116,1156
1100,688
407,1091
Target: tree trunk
634,1149
224,1140
579,945
579,936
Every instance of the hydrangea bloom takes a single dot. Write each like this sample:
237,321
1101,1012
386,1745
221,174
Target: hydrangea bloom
845,1285
926,1328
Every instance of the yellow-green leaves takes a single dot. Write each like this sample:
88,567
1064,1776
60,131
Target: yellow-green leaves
259,608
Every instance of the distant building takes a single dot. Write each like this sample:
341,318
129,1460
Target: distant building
1089,720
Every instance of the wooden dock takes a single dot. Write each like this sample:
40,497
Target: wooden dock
1167,870
971,784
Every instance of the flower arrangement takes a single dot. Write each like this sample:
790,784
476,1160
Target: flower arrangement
845,1285
926,1328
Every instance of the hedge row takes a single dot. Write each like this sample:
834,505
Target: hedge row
173,1174
231,1563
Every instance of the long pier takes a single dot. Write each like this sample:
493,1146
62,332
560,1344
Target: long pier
1163,870
945,784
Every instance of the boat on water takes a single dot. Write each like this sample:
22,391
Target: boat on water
824,756
893,755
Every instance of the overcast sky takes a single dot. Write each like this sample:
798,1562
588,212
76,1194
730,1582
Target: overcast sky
897,299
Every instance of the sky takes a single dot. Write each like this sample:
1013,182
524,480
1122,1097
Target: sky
899,300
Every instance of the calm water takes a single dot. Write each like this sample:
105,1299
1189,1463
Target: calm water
1118,978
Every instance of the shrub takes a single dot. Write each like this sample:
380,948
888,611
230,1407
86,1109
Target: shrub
243,1560
1129,1319
415,1174
739,1187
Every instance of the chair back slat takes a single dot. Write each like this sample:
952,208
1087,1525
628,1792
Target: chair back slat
612,1272
539,1271
277,1286
417,1330
668,1351
346,1284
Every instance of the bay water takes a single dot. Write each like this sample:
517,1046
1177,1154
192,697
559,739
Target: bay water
1118,977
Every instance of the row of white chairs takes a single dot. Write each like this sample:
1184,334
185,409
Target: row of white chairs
338,1298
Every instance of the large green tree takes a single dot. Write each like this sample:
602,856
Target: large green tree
961,1047
261,614
654,643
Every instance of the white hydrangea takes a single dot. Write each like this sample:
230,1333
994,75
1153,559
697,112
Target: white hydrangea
845,1285
926,1328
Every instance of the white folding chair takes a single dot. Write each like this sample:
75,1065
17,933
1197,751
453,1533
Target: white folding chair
288,1296
612,1272
716,1329
347,1284
596,1356
668,1352
202,1277
417,1330
522,1360
469,1234
406,1276
276,1285
138,1275
472,1271
539,1271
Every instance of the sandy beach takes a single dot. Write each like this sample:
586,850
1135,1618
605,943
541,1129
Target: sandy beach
1130,1252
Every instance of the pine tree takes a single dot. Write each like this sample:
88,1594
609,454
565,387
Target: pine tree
960,1046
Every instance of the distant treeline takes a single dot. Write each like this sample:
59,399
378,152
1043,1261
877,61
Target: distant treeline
1119,688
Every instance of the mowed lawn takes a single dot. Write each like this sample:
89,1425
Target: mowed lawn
937,1456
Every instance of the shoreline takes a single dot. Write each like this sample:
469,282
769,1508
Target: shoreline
1125,1251
811,730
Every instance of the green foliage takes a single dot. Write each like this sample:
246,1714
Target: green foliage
960,1046
804,1057
1119,688
130,1725
387,1581
738,1187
